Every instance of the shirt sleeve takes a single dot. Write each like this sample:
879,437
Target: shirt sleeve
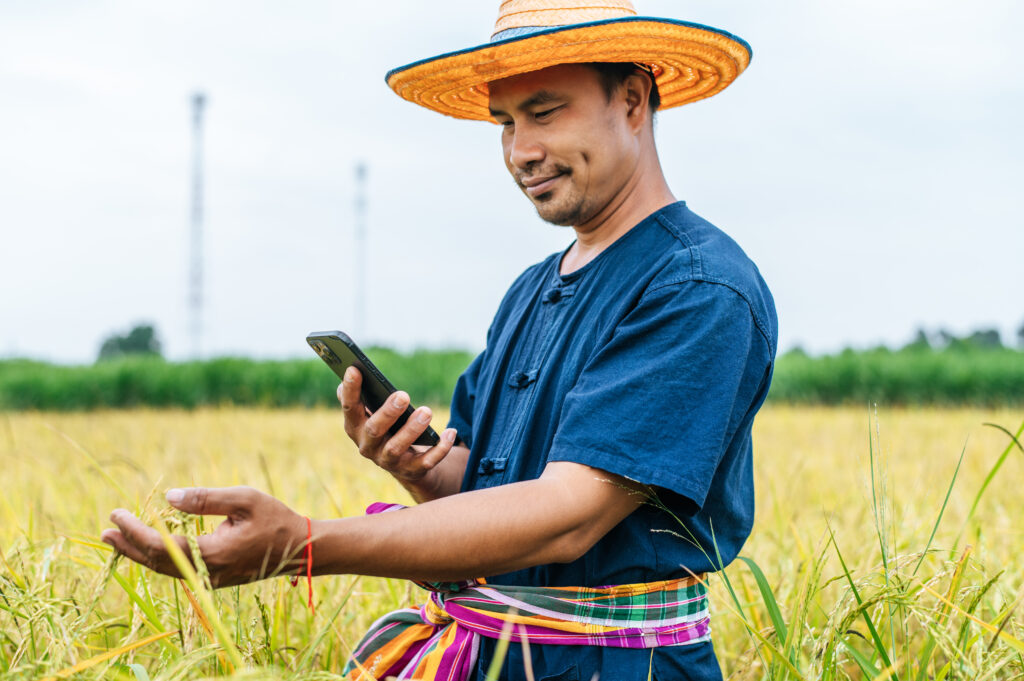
660,402
463,400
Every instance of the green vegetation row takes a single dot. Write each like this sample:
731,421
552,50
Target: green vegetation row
428,376
911,376
962,376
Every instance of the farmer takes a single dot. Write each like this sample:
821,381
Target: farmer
598,460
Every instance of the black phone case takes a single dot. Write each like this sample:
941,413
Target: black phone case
340,352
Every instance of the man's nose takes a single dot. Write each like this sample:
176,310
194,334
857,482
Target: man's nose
524,149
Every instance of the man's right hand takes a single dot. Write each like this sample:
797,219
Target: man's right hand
419,469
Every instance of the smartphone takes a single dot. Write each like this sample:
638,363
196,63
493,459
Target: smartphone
340,352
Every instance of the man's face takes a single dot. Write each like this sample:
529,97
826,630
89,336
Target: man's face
568,147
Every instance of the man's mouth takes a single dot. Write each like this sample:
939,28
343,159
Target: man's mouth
540,185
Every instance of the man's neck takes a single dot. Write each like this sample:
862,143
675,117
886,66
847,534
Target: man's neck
645,194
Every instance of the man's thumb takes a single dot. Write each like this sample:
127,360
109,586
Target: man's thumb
207,501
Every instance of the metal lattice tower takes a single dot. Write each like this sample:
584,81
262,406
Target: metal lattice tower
195,279
360,251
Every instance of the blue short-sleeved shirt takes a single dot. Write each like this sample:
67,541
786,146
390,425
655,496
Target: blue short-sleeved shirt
649,362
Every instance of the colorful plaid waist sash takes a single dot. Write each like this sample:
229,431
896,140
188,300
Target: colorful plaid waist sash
441,639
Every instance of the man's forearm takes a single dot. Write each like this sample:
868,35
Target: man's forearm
485,532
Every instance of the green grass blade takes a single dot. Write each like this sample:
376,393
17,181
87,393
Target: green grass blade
929,648
925,658
139,671
880,498
148,610
728,585
875,638
866,666
1015,441
1014,438
145,606
16,613
875,504
770,604
942,511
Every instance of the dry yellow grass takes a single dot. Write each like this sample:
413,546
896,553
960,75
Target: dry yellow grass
812,463
62,473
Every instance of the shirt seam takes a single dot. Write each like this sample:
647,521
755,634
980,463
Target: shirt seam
696,256
717,281
698,274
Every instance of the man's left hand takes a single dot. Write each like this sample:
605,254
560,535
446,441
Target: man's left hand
260,537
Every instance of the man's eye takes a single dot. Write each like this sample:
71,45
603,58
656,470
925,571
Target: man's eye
548,112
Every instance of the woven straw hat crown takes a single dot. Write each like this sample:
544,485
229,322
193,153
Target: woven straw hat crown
689,61
526,14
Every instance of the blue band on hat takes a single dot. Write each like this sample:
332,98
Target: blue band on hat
503,38
517,32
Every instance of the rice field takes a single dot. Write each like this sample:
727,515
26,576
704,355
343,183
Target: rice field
839,584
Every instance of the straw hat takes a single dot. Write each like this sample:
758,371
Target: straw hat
689,61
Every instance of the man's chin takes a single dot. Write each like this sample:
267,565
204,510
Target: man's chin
559,215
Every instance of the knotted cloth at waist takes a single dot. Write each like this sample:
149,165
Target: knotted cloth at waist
441,639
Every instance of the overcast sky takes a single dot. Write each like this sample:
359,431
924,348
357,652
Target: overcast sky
870,161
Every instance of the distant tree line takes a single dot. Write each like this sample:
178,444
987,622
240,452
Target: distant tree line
140,341
942,339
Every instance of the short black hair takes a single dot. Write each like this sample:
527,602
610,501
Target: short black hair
614,74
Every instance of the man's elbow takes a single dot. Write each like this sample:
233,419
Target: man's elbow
573,544
584,504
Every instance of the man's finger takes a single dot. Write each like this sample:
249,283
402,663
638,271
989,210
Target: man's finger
351,399
235,502
138,534
419,461
116,539
141,542
402,441
433,456
376,427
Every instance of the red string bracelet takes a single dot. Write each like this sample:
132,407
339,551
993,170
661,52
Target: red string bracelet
309,565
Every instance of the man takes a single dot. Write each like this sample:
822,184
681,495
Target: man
598,459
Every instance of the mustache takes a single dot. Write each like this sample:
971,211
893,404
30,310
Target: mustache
551,171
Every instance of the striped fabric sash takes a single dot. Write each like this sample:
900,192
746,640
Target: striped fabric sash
441,639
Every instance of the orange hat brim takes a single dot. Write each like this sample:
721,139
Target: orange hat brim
690,62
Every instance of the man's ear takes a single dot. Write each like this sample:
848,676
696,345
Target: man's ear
636,90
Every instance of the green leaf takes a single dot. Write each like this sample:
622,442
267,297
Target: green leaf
768,597
139,671
876,639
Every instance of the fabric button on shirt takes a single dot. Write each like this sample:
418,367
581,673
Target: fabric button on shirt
650,362
520,380
491,466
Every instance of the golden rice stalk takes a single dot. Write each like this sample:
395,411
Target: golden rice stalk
110,654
